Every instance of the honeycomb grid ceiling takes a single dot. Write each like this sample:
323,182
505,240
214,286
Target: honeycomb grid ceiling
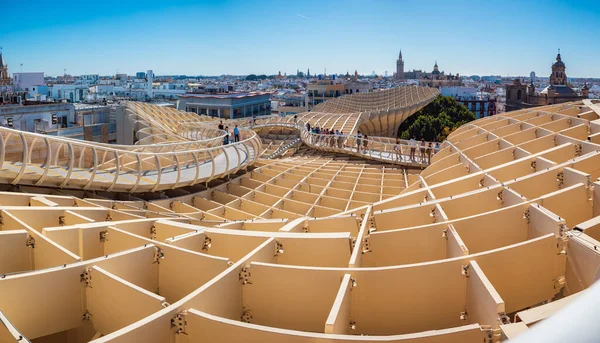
496,234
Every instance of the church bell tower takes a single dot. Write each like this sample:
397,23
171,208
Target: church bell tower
400,67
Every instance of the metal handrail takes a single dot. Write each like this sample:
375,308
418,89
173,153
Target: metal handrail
375,147
282,149
176,140
126,168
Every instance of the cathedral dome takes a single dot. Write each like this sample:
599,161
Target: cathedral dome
559,62
435,71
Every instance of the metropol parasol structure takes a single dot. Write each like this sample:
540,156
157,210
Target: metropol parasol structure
290,236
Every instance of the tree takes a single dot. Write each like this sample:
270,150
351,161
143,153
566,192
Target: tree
436,121
251,77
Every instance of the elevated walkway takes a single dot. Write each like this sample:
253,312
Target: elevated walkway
164,158
379,149
175,149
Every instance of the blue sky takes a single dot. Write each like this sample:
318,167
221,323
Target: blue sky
242,37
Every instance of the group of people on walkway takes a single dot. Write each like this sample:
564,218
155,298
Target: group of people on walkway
426,150
230,136
327,137
402,151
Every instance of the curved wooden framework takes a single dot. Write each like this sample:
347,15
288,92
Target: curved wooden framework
498,233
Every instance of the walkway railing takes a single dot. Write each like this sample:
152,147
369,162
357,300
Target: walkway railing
173,153
41,160
377,148
282,149
403,154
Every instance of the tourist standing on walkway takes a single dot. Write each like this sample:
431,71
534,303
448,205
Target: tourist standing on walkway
365,142
236,134
226,138
428,152
358,141
413,148
295,119
422,150
397,148
436,148
221,125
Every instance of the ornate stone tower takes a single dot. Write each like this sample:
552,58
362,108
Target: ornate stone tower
4,78
585,91
558,76
400,67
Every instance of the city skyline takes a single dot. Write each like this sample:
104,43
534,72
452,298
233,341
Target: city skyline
240,38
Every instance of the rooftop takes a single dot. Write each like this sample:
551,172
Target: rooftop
239,95
560,90
323,242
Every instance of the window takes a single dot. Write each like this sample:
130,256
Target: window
508,93
519,94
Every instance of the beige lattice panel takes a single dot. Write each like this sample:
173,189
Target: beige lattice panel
383,111
497,234
377,113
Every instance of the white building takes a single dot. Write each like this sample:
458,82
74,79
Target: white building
25,81
37,118
88,79
69,91
458,91
102,89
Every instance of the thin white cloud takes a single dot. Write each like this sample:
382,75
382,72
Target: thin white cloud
302,16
